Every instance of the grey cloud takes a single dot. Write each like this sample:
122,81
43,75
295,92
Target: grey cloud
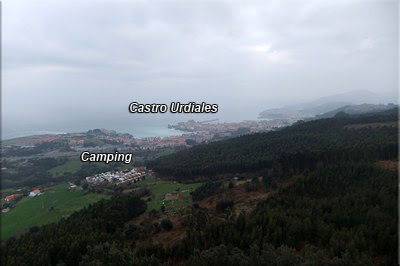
59,55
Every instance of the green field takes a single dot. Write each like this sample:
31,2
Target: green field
69,167
56,202
159,188
166,151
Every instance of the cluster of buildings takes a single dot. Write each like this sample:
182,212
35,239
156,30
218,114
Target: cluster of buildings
153,143
35,192
116,177
208,130
213,127
196,132
12,199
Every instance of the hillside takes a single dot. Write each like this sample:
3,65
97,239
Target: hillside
317,193
357,109
56,203
327,104
296,147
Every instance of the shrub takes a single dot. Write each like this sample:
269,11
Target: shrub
167,224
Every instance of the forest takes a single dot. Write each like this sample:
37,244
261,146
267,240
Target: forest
339,209
68,240
298,146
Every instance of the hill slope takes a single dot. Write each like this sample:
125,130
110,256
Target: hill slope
357,109
329,103
338,205
294,147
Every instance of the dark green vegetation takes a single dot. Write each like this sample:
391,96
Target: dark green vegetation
224,204
71,238
29,172
166,224
206,190
338,207
337,215
296,148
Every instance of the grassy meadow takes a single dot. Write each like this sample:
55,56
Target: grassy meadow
56,202
158,189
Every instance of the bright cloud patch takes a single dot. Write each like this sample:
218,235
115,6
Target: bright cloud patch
262,48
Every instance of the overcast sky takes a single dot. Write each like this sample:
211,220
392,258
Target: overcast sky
67,61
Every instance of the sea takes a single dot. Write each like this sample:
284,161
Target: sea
139,126
137,132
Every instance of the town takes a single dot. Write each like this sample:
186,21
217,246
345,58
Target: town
102,140
204,131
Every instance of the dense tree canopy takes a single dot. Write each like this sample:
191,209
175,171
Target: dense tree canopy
69,239
296,147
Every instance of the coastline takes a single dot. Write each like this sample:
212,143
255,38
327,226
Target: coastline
142,132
